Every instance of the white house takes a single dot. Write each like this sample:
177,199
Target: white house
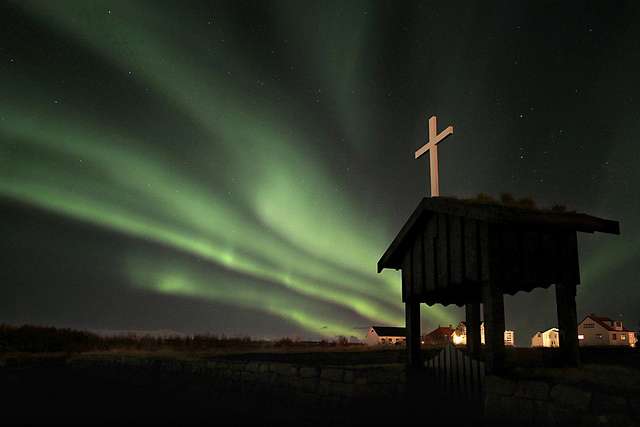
386,335
548,338
509,338
459,336
597,330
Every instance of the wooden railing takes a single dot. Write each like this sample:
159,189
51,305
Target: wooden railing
458,375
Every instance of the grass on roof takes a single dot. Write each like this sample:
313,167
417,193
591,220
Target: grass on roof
508,200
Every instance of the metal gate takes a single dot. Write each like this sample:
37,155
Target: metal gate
458,376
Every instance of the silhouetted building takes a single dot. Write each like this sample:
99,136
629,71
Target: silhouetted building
473,252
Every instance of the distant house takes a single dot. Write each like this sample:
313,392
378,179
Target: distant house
602,331
386,335
548,338
459,336
439,336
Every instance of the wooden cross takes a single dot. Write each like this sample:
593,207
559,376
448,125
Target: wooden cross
432,147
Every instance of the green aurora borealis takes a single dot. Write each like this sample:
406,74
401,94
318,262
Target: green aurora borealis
269,147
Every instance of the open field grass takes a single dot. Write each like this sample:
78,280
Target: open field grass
43,389
39,387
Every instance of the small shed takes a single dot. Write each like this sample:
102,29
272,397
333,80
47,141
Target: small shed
468,253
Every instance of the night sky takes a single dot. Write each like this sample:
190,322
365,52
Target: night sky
239,167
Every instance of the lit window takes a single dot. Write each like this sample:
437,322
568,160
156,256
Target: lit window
623,337
580,336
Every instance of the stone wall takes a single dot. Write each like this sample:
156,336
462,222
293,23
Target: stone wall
318,386
532,402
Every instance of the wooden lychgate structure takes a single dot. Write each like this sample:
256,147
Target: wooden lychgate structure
469,253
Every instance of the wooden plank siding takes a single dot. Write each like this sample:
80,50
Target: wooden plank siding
510,256
520,218
549,253
442,250
456,250
431,266
573,264
531,261
471,251
418,265
450,257
533,258
406,277
483,251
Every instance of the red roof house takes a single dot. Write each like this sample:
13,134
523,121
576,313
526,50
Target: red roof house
439,336
602,331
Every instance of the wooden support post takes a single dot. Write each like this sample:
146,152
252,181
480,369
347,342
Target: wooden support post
412,320
473,328
415,366
567,323
493,310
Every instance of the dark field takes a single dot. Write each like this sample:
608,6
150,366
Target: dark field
44,390
53,394
39,386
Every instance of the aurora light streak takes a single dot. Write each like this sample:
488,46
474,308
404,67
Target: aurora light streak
287,234
267,146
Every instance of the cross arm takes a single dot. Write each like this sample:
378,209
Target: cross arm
423,149
439,137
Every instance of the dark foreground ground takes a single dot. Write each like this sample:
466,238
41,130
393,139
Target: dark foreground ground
45,391
49,393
